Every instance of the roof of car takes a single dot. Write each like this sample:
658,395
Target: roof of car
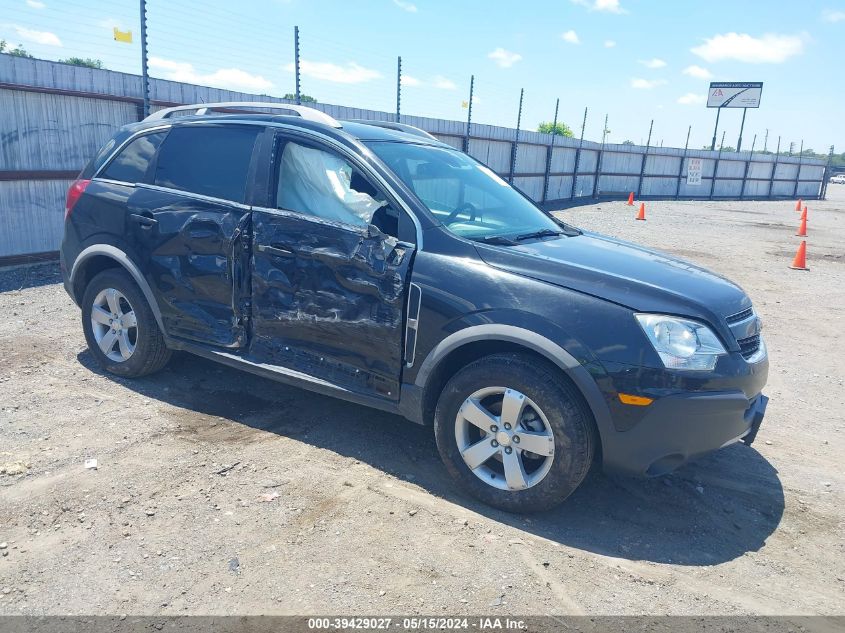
357,130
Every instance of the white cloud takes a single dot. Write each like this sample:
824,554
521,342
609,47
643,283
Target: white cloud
229,78
607,6
691,98
829,15
771,48
609,43
443,83
38,37
408,80
646,84
407,6
653,63
504,58
35,4
698,72
350,73
570,36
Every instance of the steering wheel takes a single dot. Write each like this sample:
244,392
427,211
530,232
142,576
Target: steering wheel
466,206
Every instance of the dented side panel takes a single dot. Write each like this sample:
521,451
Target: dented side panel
195,262
328,300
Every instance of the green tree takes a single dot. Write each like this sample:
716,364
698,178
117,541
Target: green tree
559,129
302,98
87,62
18,51
627,142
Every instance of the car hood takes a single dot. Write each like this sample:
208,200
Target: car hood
625,273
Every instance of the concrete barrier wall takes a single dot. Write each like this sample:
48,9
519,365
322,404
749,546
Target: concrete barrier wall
54,117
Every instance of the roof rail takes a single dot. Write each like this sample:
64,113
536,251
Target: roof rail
309,114
399,127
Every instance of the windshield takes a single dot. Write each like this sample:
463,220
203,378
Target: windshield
467,197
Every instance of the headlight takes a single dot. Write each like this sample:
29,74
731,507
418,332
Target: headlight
680,343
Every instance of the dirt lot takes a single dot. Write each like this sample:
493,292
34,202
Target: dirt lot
219,492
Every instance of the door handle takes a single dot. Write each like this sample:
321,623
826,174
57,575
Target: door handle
146,221
275,251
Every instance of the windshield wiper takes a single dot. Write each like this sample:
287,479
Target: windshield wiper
495,239
540,233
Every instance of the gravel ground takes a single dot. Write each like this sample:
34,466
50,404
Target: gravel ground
218,492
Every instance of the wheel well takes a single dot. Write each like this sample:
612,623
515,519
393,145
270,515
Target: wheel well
465,354
90,268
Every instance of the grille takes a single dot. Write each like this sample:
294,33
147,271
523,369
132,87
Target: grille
749,346
739,316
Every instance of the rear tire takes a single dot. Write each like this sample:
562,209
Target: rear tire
119,326
492,411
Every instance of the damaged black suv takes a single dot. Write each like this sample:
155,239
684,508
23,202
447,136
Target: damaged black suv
371,262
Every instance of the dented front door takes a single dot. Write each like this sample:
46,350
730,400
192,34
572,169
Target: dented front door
328,300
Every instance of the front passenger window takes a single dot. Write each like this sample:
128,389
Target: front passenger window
323,184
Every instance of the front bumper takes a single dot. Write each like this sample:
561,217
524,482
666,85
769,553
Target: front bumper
682,427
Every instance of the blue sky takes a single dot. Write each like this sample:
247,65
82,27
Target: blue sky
634,60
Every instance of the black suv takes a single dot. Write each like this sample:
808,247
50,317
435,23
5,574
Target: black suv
376,264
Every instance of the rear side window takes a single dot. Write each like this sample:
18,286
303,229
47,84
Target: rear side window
131,164
212,161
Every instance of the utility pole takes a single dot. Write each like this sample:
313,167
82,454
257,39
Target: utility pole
145,77
296,62
398,86
766,141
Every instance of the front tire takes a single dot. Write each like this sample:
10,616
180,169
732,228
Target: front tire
119,326
513,433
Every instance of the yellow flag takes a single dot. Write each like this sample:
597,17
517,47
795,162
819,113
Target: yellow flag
464,104
122,36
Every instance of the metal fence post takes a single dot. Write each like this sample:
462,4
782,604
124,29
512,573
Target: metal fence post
515,143
599,160
645,158
774,169
798,173
469,113
716,168
296,63
145,77
549,151
747,167
578,157
398,86
826,175
681,166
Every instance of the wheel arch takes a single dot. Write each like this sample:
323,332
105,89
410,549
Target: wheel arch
469,344
99,257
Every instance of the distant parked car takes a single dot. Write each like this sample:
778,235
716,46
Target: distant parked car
838,179
373,263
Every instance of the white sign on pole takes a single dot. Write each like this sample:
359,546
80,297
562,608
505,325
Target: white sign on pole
735,94
694,171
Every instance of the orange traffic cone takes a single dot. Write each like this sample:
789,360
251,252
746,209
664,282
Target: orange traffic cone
641,214
798,204
631,199
800,261
804,213
802,231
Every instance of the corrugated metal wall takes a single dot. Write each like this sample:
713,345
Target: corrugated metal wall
54,117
